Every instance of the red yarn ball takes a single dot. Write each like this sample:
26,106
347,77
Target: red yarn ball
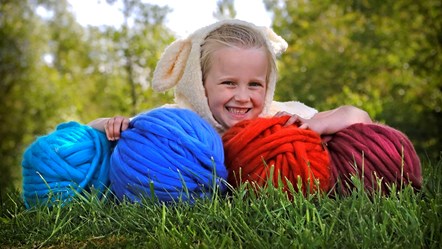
373,150
253,147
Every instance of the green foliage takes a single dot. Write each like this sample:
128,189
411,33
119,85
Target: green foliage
384,57
27,98
240,219
53,70
225,9
136,47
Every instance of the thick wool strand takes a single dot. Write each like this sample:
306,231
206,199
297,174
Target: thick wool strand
72,159
253,148
374,152
170,153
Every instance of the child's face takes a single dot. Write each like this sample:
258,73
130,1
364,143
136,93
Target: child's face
236,84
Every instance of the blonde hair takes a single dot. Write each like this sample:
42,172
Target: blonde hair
234,35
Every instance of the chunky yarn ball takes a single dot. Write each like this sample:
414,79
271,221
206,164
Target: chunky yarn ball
261,148
373,152
170,154
71,159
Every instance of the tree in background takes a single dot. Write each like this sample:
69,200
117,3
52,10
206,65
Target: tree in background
53,70
137,46
26,99
225,9
110,68
384,57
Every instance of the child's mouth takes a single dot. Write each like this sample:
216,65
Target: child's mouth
238,111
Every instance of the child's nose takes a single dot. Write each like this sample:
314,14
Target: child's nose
242,95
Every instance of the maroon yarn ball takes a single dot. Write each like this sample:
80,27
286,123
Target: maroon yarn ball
373,152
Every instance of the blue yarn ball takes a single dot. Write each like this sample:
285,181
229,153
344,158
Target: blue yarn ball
170,154
71,159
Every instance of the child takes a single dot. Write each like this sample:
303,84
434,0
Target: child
226,72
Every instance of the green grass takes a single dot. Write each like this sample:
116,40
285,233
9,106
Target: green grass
243,219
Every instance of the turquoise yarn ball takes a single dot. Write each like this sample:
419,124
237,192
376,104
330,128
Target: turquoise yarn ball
72,159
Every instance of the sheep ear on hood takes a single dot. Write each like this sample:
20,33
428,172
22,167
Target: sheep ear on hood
279,45
170,67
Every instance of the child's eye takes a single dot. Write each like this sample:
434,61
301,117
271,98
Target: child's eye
229,83
256,84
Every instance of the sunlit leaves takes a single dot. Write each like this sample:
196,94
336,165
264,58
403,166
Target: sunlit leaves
385,57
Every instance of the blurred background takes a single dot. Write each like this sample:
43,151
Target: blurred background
382,56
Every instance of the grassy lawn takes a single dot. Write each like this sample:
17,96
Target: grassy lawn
241,219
